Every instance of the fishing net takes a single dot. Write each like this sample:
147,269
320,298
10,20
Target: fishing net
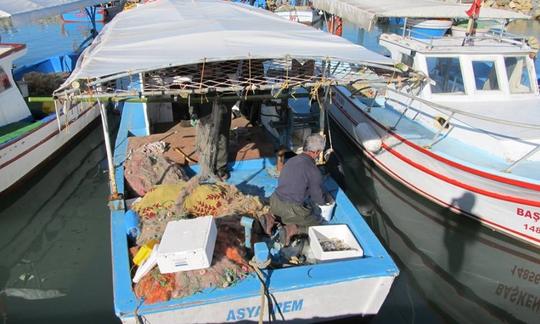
146,167
228,263
155,209
217,199
155,287
170,202
227,268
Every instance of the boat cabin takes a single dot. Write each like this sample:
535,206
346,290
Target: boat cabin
486,68
12,107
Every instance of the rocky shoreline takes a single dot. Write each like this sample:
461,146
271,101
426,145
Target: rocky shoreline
530,7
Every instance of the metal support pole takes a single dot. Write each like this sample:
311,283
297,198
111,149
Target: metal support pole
404,26
443,127
403,113
106,137
523,158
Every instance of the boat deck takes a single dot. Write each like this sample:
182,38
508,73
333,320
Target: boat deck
370,276
455,149
246,142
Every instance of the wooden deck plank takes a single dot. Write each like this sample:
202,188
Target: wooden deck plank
246,142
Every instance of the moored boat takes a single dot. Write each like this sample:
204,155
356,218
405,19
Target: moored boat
469,138
98,13
231,63
298,11
486,276
31,135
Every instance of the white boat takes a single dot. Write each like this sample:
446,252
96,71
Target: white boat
27,141
486,276
298,11
311,292
469,139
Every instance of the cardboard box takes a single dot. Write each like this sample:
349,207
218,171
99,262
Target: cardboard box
187,245
317,234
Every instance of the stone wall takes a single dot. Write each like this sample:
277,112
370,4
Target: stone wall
531,7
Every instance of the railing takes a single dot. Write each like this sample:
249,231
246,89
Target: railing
451,114
499,36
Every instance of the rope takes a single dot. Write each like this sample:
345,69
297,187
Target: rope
202,77
138,319
264,290
285,83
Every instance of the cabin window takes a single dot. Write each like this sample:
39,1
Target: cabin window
518,74
485,75
446,73
4,81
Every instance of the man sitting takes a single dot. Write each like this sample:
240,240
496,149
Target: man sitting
299,191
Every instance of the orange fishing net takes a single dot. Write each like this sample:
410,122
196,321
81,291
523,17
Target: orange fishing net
228,267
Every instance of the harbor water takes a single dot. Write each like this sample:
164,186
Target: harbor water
55,261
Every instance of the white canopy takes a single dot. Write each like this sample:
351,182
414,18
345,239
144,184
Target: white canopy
365,13
23,11
169,33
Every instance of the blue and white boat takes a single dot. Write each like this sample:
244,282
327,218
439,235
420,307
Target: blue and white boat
468,138
237,35
98,13
29,137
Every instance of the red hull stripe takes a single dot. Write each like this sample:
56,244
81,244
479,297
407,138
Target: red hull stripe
14,48
450,180
461,184
435,199
517,183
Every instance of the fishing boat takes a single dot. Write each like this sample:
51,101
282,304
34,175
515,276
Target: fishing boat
468,138
225,65
298,11
98,13
486,276
29,135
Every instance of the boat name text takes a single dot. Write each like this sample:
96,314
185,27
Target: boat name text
519,297
242,313
528,214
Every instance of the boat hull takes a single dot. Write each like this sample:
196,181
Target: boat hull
304,16
475,266
503,204
82,16
320,303
24,154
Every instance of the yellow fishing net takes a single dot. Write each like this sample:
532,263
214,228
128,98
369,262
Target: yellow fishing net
205,200
161,196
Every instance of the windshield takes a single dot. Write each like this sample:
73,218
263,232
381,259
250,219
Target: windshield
518,74
485,75
446,73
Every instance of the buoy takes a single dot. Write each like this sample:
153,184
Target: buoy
368,137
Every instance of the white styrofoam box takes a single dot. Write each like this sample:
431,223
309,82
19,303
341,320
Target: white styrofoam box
187,245
326,232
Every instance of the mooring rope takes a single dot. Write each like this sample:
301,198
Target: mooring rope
264,289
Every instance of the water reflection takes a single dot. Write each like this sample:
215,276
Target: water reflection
465,271
46,38
54,242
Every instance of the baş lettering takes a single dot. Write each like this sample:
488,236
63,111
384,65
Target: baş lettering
519,297
527,213
243,313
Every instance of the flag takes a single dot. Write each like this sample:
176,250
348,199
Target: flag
474,10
